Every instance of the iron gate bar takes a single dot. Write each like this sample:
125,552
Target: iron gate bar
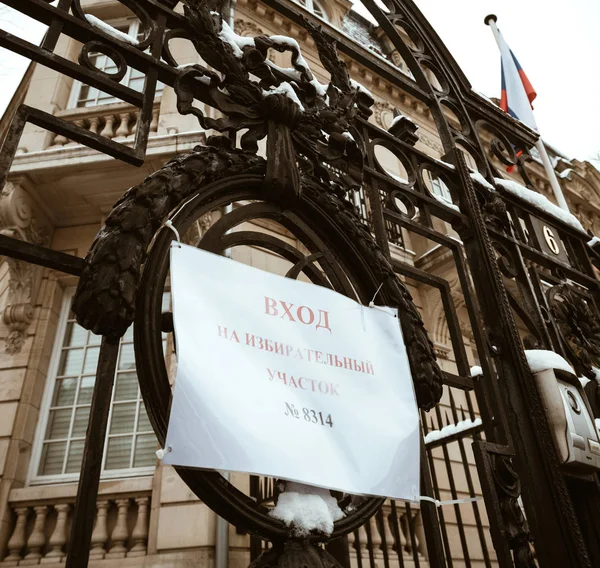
493,420
474,103
538,257
466,433
356,546
442,211
522,205
429,512
427,232
483,452
537,460
418,73
525,316
380,520
467,468
56,28
42,119
42,256
46,13
588,509
68,67
454,494
449,310
93,453
339,549
440,510
375,133
458,381
524,287
150,64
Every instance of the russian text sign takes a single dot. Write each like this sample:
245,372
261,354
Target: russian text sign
283,378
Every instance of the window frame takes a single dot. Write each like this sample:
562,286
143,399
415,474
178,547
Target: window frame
33,477
134,26
309,6
439,187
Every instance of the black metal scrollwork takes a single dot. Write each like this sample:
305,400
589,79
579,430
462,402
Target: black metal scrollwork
506,262
109,51
517,531
579,327
308,126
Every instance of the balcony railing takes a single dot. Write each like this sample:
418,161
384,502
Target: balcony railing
395,534
41,526
115,121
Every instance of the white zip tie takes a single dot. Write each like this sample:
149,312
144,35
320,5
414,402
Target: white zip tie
371,303
169,224
439,503
380,308
160,454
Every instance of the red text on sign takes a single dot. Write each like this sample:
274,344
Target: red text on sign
301,314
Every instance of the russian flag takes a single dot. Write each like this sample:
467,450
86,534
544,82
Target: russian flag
517,91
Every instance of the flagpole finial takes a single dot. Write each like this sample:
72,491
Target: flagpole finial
490,17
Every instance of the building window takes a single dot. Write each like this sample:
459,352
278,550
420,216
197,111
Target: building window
313,7
84,95
130,442
437,186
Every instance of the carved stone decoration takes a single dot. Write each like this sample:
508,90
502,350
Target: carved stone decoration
18,313
379,108
586,216
508,489
244,28
579,328
250,29
20,219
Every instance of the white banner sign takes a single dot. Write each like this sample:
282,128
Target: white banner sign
287,379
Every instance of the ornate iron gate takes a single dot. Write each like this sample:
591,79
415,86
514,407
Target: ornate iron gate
324,161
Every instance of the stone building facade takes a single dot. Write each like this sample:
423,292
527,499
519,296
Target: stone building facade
58,194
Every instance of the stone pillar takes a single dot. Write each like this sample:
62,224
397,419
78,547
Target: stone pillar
100,533
20,218
139,536
58,538
21,383
120,533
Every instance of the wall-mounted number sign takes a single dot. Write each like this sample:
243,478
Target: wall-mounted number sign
549,240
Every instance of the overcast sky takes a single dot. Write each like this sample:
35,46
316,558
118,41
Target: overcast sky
558,46
556,42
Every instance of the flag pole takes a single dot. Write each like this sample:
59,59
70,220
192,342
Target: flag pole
490,20
560,198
